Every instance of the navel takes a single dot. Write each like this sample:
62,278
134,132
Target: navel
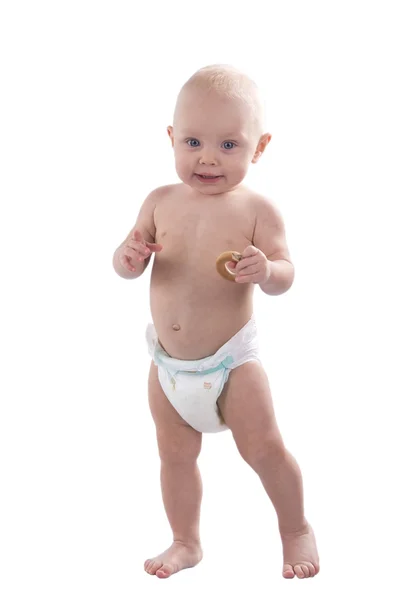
176,327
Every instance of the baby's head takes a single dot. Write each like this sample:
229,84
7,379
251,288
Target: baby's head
217,129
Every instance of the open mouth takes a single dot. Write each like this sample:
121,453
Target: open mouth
208,178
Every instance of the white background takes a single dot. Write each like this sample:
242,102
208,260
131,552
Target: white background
88,89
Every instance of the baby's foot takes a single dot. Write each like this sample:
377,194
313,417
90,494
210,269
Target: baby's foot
300,555
178,556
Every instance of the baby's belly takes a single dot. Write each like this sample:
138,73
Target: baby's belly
195,315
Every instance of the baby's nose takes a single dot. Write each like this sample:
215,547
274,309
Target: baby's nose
208,159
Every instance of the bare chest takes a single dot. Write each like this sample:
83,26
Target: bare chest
194,234
194,309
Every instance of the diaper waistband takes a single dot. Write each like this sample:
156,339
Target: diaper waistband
173,367
222,359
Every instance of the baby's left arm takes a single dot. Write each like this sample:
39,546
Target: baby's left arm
269,238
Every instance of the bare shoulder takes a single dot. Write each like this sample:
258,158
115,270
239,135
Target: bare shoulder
161,193
267,210
261,205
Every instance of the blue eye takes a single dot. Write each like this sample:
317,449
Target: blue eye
229,145
193,143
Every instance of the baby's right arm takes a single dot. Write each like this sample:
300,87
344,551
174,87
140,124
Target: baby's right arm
133,255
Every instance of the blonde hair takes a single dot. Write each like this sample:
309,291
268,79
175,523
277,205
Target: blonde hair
231,83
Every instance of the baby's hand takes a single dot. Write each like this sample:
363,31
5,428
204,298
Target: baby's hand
254,267
136,249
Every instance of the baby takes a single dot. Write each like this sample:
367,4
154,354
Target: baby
206,374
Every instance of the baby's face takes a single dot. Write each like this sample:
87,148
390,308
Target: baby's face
214,140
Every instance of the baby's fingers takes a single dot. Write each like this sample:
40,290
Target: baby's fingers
154,247
135,249
231,265
125,262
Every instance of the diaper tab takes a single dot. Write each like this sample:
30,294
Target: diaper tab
228,361
222,365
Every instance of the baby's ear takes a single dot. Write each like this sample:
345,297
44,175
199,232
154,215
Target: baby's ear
170,131
262,144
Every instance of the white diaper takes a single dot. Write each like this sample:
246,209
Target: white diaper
193,386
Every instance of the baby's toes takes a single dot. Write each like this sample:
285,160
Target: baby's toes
165,571
153,566
288,572
308,569
301,571
312,569
304,570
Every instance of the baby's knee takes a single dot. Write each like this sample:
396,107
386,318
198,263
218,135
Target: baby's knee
180,447
269,449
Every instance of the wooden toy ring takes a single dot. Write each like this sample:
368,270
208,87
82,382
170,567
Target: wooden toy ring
225,257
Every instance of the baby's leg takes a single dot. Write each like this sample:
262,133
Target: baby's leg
247,408
179,447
